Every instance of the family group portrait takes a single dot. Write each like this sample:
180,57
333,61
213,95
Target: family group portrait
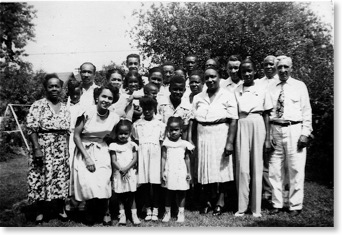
120,115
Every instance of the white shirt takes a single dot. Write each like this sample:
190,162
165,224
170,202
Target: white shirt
229,84
87,97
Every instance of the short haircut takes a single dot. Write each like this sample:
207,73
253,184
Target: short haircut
190,55
72,85
180,68
90,64
177,79
169,63
115,70
248,60
48,76
270,57
283,57
172,119
109,86
154,70
134,74
123,122
234,58
133,56
147,102
197,73
149,85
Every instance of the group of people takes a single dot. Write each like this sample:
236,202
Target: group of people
147,141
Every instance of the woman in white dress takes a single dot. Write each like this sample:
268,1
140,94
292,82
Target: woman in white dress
92,162
215,112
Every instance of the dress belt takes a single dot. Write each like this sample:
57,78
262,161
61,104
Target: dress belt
285,123
219,121
60,132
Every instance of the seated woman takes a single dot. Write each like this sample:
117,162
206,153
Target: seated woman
92,162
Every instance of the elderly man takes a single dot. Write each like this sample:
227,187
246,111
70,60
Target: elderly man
87,72
290,127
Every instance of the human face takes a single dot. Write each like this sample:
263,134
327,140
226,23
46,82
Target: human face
152,92
105,100
123,134
75,95
169,71
177,91
133,63
116,80
157,78
174,131
269,67
196,84
190,63
210,64
148,114
133,83
212,80
284,69
180,73
233,69
247,74
87,73
53,89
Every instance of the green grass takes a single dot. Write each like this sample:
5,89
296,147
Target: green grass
15,212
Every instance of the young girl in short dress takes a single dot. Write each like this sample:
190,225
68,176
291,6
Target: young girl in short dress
124,157
148,132
175,167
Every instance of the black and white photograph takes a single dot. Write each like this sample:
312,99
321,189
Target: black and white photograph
167,114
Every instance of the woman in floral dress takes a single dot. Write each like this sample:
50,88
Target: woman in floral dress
48,123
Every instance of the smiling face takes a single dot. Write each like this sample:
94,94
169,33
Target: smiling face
233,69
196,84
123,134
175,131
104,100
53,88
116,80
212,80
247,74
133,84
269,65
177,91
133,63
157,78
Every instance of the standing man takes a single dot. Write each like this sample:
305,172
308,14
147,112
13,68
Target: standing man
168,72
291,124
190,65
133,64
87,72
233,80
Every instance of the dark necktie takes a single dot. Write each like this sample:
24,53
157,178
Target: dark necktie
280,103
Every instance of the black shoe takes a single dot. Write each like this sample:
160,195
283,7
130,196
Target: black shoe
294,213
274,211
217,210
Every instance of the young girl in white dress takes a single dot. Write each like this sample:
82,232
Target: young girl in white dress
148,132
175,167
124,156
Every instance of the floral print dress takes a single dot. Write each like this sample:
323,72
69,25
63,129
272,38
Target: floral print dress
51,180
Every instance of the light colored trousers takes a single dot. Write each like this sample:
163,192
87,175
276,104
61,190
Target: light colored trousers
251,134
287,153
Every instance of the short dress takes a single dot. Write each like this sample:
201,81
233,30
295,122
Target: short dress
124,154
52,180
175,167
149,134
89,185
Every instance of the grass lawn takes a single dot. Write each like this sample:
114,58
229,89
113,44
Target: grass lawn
15,212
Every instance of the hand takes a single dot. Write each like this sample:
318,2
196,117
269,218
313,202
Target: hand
90,165
123,171
188,177
164,177
229,149
38,157
268,147
302,142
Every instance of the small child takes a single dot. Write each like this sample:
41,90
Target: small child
149,132
124,156
175,167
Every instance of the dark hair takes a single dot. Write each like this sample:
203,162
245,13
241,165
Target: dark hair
180,68
149,85
133,56
90,64
72,85
113,89
248,60
133,74
123,122
197,73
114,70
217,71
234,58
190,55
168,63
155,69
48,76
177,79
171,119
147,102
217,66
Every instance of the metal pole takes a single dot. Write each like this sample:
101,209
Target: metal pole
18,124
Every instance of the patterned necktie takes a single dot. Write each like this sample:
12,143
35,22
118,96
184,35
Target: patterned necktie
280,103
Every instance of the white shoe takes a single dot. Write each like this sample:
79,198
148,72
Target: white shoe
239,214
154,218
136,220
180,217
166,217
122,219
256,215
155,214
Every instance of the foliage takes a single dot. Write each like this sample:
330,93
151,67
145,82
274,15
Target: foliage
170,31
16,28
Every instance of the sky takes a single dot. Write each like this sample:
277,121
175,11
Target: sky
70,33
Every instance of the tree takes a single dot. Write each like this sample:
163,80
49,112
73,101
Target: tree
219,29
